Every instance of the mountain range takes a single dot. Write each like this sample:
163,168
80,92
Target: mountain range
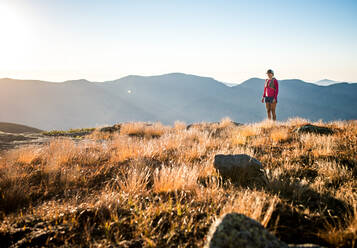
326,82
166,98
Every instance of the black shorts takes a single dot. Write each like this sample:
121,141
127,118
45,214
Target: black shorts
269,99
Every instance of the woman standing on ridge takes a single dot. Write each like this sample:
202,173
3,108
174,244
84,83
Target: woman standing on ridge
271,89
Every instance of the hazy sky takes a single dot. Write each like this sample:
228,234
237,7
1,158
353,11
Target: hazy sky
228,40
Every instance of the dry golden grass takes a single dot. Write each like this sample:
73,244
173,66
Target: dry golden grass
135,181
333,172
266,124
243,135
167,178
142,129
25,155
151,185
297,121
98,135
254,204
321,145
279,135
124,148
250,130
179,126
225,122
212,191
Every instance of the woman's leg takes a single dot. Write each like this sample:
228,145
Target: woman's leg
268,107
273,107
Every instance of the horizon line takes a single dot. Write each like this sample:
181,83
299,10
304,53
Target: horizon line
170,73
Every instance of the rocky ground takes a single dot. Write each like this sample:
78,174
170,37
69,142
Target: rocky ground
10,140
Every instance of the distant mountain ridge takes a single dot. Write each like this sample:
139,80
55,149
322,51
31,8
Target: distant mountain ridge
326,82
165,98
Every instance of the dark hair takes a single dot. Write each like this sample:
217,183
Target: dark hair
270,71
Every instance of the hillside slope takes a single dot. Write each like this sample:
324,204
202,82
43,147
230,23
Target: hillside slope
7,127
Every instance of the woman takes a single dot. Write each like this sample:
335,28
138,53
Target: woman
270,95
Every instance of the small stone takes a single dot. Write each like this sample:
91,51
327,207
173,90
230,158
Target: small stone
111,129
237,230
242,169
314,129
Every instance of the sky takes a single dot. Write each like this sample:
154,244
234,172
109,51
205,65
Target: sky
230,41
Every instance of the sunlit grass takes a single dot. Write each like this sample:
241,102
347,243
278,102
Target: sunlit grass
156,184
279,135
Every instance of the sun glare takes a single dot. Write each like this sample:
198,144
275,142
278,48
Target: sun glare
12,22
15,33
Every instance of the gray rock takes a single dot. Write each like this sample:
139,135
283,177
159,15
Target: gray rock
241,169
111,129
237,230
314,129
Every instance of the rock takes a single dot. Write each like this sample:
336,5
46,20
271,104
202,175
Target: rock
69,134
111,129
198,125
238,230
314,129
241,169
237,124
